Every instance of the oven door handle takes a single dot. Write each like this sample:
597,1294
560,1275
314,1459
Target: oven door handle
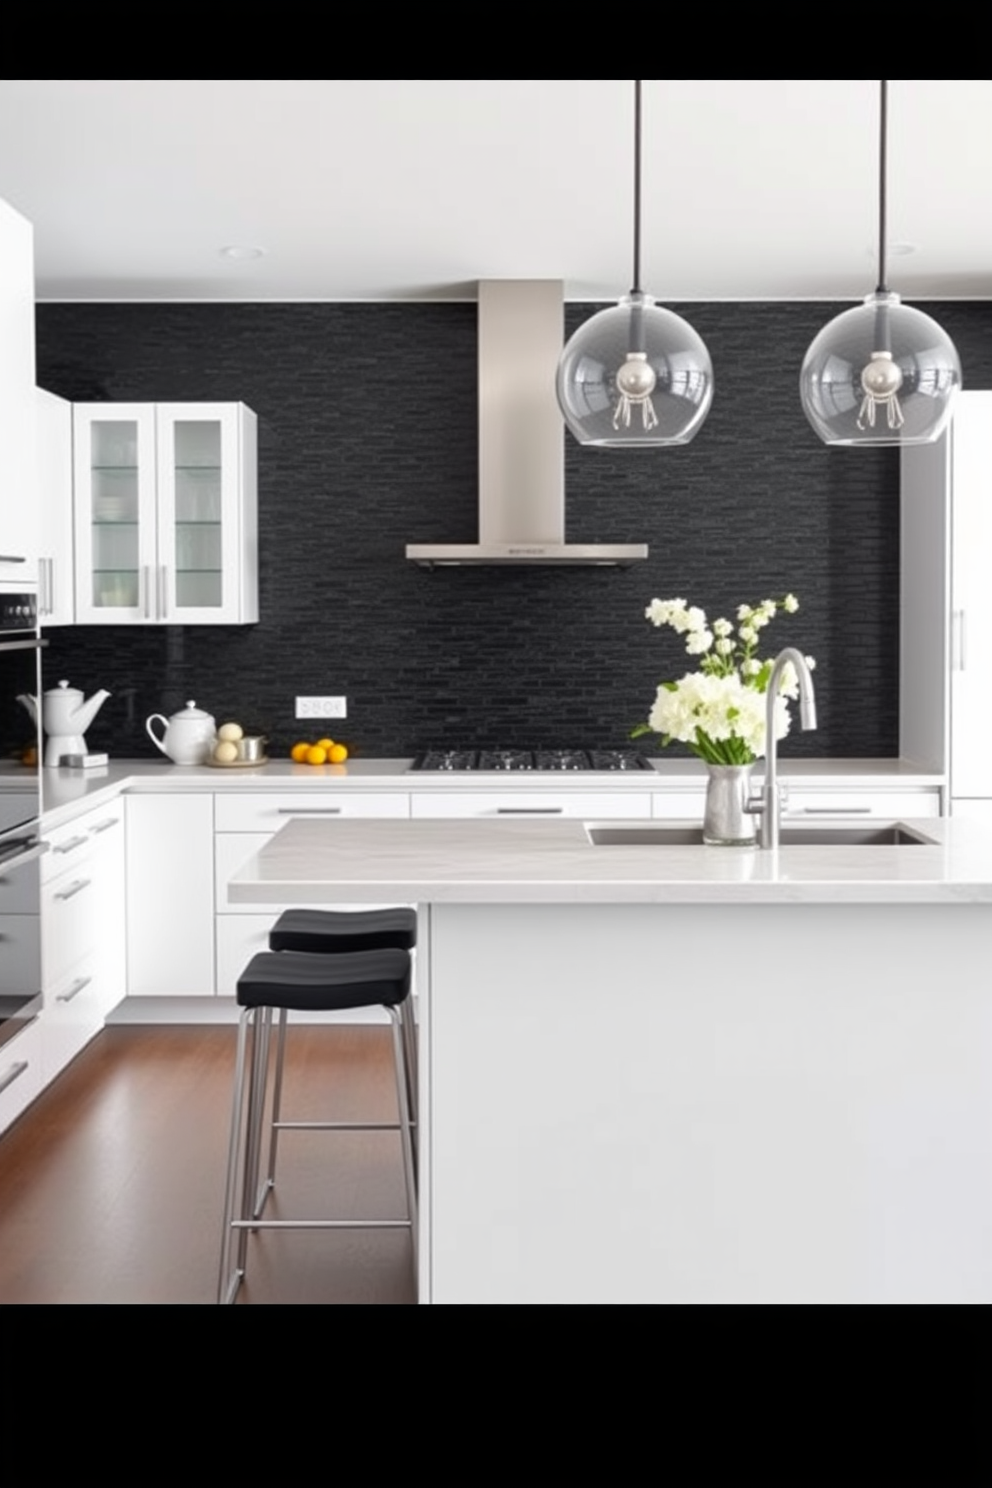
32,645
17,859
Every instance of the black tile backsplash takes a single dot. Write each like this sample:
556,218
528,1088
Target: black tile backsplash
368,441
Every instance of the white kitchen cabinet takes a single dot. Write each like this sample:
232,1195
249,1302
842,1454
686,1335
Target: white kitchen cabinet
21,1073
18,483
531,803
946,629
166,513
56,569
83,933
170,895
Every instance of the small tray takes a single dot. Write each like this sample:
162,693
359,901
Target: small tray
237,764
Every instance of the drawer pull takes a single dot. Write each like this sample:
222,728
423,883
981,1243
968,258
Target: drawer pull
74,889
71,845
833,811
74,990
529,810
309,810
14,1073
112,821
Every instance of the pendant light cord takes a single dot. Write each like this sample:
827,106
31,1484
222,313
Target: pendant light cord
636,287
883,137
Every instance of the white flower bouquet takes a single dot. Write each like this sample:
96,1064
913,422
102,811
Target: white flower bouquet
719,710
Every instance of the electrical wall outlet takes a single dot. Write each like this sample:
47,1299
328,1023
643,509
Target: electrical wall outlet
321,707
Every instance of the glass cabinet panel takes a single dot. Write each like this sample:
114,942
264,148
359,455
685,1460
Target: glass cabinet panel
113,478
198,549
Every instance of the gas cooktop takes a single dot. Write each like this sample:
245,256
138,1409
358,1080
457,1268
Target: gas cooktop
530,759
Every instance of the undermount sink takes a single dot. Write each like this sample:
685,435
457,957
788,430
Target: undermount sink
686,834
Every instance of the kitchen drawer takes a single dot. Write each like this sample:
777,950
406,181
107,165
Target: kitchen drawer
19,937
527,803
805,804
243,812
76,1008
68,843
70,920
21,1072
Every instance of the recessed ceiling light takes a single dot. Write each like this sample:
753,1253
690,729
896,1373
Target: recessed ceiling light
236,250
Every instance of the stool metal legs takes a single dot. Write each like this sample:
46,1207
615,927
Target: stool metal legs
247,1199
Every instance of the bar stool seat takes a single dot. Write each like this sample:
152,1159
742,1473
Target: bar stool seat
286,981
330,932
334,930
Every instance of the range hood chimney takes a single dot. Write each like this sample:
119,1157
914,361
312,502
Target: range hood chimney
521,438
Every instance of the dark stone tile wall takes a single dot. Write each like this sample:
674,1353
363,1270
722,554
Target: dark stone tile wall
368,440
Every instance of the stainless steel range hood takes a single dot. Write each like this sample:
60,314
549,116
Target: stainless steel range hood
521,438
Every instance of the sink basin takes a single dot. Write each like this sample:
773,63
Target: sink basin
679,834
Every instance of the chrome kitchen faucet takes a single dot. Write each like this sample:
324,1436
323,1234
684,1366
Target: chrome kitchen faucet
768,805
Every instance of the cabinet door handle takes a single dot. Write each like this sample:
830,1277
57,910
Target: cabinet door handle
958,661
74,990
833,811
530,810
112,821
74,889
308,811
71,845
145,597
11,558
14,1073
162,593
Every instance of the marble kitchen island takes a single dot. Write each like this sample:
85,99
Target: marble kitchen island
685,1074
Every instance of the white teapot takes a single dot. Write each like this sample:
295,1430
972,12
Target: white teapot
188,736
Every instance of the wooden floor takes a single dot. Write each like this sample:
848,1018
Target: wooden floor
111,1184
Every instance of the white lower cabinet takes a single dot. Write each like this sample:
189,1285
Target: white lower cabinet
891,804
21,1072
83,942
170,895
531,803
810,804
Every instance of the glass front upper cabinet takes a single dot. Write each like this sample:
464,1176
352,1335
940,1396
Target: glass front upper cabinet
166,513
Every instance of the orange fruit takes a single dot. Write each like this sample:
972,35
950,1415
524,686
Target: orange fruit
337,754
327,744
299,752
316,755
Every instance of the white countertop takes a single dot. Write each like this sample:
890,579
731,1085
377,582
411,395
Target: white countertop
65,792
486,861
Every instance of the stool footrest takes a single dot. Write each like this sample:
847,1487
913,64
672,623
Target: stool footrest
320,1224
337,1126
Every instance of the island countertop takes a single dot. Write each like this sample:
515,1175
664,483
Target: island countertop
554,862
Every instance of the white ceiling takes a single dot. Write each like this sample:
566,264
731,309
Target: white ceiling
383,188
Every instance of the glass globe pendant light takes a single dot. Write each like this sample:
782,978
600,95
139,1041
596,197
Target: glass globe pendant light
882,373
636,374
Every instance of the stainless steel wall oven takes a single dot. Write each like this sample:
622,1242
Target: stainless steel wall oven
21,846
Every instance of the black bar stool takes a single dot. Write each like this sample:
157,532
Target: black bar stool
306,982
329,932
